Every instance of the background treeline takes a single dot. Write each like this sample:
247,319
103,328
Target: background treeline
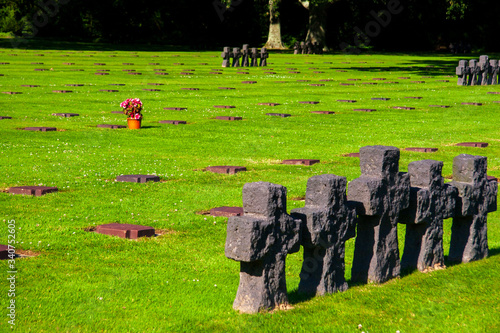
209,24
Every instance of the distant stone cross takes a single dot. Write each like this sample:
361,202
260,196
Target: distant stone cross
327,222
236,55
474,71
254,55
462,71
244,56
263,57
226,56
431,201
493,74
261,240
381,193
477,198
484,69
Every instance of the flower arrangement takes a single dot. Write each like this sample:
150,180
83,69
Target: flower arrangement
132,107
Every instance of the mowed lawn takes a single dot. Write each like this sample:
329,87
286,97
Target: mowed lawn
180,280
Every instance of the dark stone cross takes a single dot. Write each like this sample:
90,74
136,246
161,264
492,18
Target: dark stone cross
296,48
226,56
431,201
236,55
261,240
263,57
473,73
484,69
477,196
493,73
381,193
303,47
462,71
244,56
328,221
254,55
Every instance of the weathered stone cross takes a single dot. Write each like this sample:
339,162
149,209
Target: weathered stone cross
261,240
431,201
381,193
327,222
477,198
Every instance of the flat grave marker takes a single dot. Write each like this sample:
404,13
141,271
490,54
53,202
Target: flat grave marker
226,211
380,99
269,104
422,150
41,129
174,108
346,100
66,115
323,112
128,231
227,169
12,92
111,126
300,161
473,144
228,118
476,104
403,108
309,102
225,106
439,106
173,122
5,117
36,191
365,110
137,178
282,115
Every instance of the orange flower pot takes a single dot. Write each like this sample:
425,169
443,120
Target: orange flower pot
134,123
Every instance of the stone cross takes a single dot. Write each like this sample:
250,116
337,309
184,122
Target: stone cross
254,55
431,201
296,48
261,240
473,72
477,196
462,71
381,193
236,55
327,223
244,56
484,69
226,55
493,74
263,57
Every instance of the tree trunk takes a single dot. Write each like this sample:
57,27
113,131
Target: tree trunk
317,21
274,38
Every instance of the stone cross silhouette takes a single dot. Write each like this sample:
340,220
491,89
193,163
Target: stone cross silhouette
462,71
244,56
381,193
493,74
261,240
226,56
236,55
254,56
474,71
484,69
263,57
476,198
431,201
327,222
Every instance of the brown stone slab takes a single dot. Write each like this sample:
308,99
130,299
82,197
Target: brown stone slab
228,118
103,70
74,85
476,104
62,91
242,73
318,72
412,97
269,72
249,82
228,169
346,84
269,104
282,115
346,100
341,71
40,69
66,115
365,110
116,84
178,63
353,155
154,63
161,73
308,102
37,191
379,79
175,109
117,112
137,178
303,80
226,211
134,73
111,126
293,72
325,80
128,63
226,88
300,162
173,122
368,83
128,231
37,63
323,112
225,106
380,99
439,106
99,64
156,84
11,92
148,89
190,88
102,73
215,73
316,84
185,73
494,92
128,70
291,69
5,117
108,90
422,150
4,252
40,129
417,81
442,80
4,63
30,85
403,108
473,144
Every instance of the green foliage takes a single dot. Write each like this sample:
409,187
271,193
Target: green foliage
180,280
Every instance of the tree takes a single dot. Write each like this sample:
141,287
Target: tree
274,37
317,19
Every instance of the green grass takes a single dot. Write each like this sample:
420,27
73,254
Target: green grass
181,280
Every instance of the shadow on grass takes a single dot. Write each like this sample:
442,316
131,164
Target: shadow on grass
450,263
